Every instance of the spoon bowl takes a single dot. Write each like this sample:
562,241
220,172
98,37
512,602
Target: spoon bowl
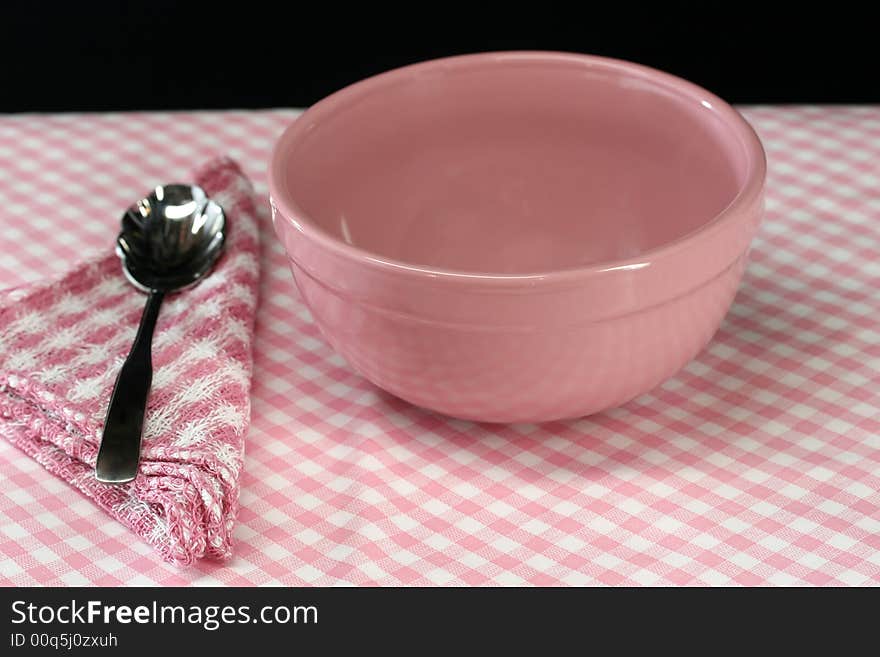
171,238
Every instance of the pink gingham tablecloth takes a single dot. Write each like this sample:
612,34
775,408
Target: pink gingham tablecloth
758,464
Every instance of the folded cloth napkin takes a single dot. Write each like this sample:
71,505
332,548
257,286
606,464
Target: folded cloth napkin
62,343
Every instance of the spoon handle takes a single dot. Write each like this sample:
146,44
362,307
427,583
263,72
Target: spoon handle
120,451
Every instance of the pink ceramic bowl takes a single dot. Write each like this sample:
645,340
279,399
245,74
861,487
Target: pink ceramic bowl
518,236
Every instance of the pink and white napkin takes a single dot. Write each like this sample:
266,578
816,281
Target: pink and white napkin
63,341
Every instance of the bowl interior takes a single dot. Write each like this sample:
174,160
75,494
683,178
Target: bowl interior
513,166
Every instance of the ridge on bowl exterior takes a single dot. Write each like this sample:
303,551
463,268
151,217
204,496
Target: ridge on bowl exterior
518,237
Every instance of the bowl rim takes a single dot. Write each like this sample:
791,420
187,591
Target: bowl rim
749,193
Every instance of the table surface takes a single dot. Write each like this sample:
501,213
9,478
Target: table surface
757,464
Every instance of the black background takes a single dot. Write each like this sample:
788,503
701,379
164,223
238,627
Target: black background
161,54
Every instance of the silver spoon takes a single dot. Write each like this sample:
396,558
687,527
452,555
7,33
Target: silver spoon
169,241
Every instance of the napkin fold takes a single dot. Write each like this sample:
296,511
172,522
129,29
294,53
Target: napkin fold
63,341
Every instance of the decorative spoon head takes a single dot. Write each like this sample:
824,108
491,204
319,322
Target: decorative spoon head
171,238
